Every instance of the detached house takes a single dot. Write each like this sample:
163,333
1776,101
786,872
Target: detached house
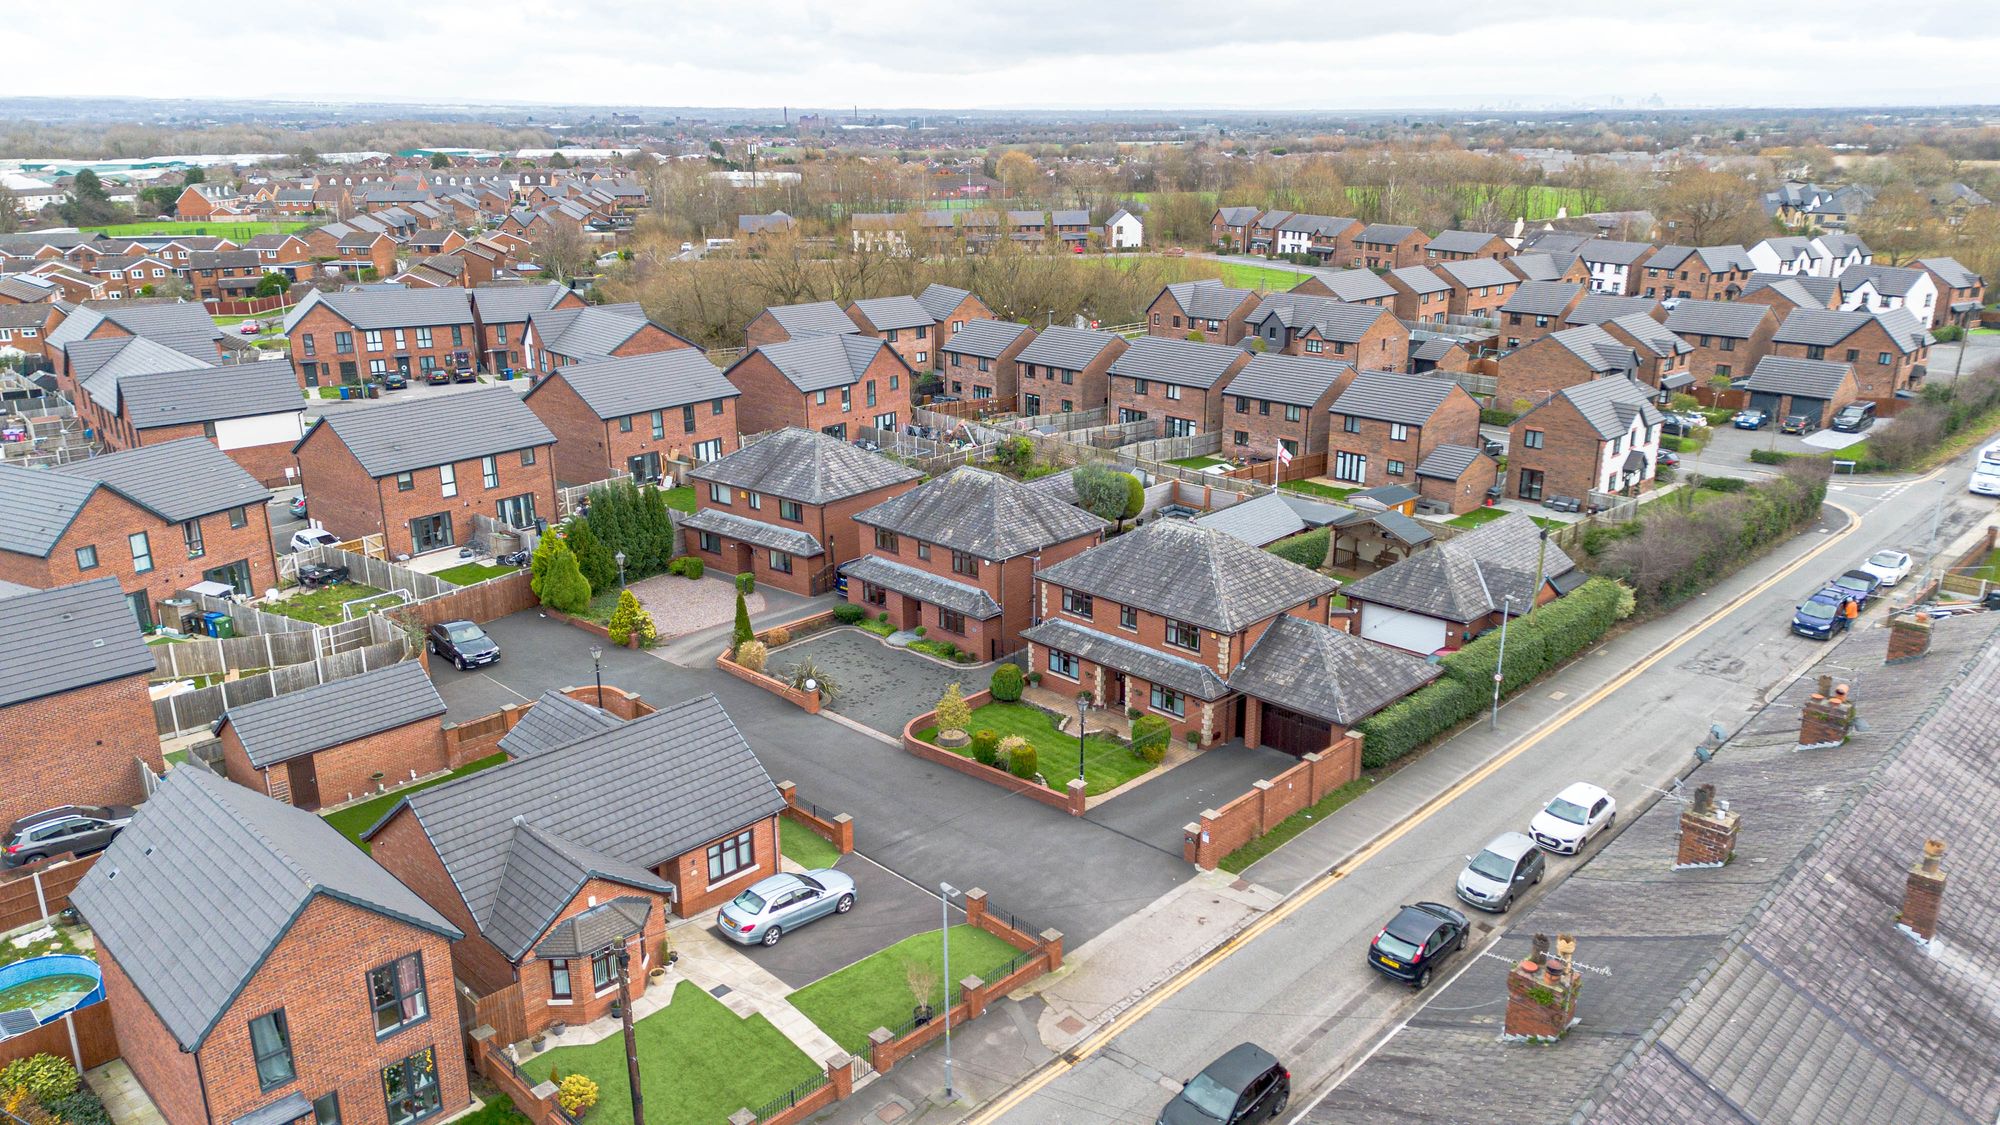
628,416
73,697
421,473
1728,337
979,359
1386,424
797,322
1438,599
1875,289
1179,382
1600,437
1887,350
1662,355
1572,356
1229,227
783,507
1382,246
1961,292
833,383
958,555
1065,368
1280,402
363,334
1208,307
251,411
900,322
557,337
323,988
1421,294
1614,266
339,741
1300,324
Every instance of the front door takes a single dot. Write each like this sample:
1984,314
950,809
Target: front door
1031,405
304,780
644,467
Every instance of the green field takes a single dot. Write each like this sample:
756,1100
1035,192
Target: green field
1241,275
234,231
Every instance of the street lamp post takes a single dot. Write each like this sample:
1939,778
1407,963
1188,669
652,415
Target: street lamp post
619,558
597,670
946,892
1500,666
1081,703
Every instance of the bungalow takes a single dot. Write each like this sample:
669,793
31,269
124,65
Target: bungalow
1280,402
957,557
339,741
1187,376
1591,439
561,336
1391,422
833,383
1887,350
901,322
1816,389
979,359
612,416
1206,308
797,322
1438,599
1064,369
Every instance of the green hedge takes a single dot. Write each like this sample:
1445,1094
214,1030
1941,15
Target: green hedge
1494,416
1416,719
1308,549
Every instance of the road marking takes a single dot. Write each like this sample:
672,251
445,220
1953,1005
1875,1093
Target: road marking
1056,1067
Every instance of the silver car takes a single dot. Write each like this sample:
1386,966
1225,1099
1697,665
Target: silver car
772,907
1504,870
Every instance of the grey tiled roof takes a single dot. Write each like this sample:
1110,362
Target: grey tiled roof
1723,258
69,637
1148,664
936,589
615,388
211,865
1821,327
1800,289
1327,673
1432,348
588,333
1208,299
894,312
820,363
1655,337
1391,396
1474,272
185,328
805,465
1735,319
555,719
981,513
1293,379
755,532
1468,577
1071,349
942,300
1259,521
1448,462
1807,378
382,309
37,506
985,338
1420,279
1536,267
1596,308
1192,574
397,437
601,926
1890,281
1606,251
100,364
816,318
1384,233
1460,241
1590,343
1542,298
618,802
1953,274
1185,363
1236,216
178,479
172,398
1608,405
1355,286
512,304
284,727
1335,320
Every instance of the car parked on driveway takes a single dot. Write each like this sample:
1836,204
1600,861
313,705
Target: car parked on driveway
1247,1084
1888,567
1502,872
1416,941
78,829
395,380
307,538
1854,417
463,643
1750,420
1800,424
771,907
1576,814
1681,425
1822,615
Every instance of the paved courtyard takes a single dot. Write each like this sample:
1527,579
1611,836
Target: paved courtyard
681,606
880,687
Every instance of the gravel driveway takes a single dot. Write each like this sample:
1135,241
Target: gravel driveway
680,606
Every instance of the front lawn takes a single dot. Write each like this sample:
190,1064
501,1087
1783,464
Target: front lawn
353,820
323,605
874,992
1107,762
472,574
805,847
697,1061
1314,488
1298,822
680,499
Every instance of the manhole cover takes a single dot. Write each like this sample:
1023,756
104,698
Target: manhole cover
1070,1025
719,991
890,1112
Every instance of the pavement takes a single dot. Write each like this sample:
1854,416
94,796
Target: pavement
124,1099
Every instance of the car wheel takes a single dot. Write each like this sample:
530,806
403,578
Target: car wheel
1506,904
1423,980
1538,879
772,935
432,645
462,665
1460,947
1279,1103
845,904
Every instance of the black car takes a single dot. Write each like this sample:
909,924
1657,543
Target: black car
438,376
314,575
1247,1084
395,381
463,642
1493,448
1798,424
80,829
1854,417
1416,941
1860,584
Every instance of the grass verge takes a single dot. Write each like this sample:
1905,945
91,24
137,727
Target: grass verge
353,820
803,846
1107,763
1292,825
874,992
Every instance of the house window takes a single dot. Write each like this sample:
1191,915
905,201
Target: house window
1076,604
755,500
1242,437
604,971
1815,351
719,493
86,558
1168,701
191,533
1315,347
1728,344
423,337
1531,439
559,988
271,1046
951,622
489,471
528,456
326,1109
1128,618
1139,387
343,342
709,541
1180,634
873,594
625,424
373,339
781,562
1882,358
516,511
306,342
1854,355
1722,369
729,856
410,1088
885,541
1062,664
1531,484
448,480
1398,432
1350,424
715,405
964,563
1395,468
1173,392
846,399
710,450
687,419
405,482
1264,406
984,363
1242,405
1295,413
396,992
659,424
791,510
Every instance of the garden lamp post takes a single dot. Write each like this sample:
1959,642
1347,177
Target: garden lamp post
597,670
619,558
1081,703
1500,665
946,892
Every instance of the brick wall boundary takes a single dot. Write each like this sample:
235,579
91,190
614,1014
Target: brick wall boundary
837,829
1220,831
808,701
1070,800
480,737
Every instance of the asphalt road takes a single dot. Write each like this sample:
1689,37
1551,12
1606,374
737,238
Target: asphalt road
1297,983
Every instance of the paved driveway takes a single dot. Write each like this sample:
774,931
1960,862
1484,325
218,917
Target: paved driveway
880,687
887,909
1155,812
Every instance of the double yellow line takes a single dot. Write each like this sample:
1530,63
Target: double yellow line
1056,1067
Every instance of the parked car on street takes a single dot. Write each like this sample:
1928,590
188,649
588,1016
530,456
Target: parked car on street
1800,424
1822,615
1416,941
463,643
1247,1084
314,575
248,328
307,538
1576,814
1889,567
298,507
1750,420
1861,583
1502,872
764,912
78,829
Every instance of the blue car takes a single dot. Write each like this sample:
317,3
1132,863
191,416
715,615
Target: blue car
1822,615
1750,420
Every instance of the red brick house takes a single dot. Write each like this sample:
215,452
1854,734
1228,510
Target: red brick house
1536,309
979,359
1229,227
1064,369
1388,246
1421,294
323,990
205,200
21,328
1961,293
1728,337
1457,478
251,411
75,678
1281,401
503,311
1439,598
1384,425
225,274
958,556
797,322
361,335
1157,619
556,337
783,507
1888,350
630,416
1352,286
129,275
1176,382
1208,307
608,831
93,330
1465,245
340,741
902,323
1480,286
951,309
1574,355
1600,437
1663,356
1300,324
158,519
418,472
1707,273
836,384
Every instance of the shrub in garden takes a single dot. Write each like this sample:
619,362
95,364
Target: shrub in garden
777,635
630,619
1307,549
45,1077
592,557
985,746
1150,734
746,583
1006,684
1019,755
805,671
576,1094
743,631
80,1108
848,614
752,655
952,712
1724,484
560,584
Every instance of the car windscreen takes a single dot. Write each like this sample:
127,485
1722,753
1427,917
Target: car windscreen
748,902
1494,866
1817,611
1885,558
1563,810
461,633
1210,1097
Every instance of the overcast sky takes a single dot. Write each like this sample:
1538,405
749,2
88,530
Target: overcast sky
1263,54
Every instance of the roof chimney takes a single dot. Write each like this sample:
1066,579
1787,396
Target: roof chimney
1827,716
1541,993
1909,638
1708,833
1923,893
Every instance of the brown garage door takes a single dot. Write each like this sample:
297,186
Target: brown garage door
1294,733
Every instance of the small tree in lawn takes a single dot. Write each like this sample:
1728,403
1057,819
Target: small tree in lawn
952,711
1108,494
629,619
743,630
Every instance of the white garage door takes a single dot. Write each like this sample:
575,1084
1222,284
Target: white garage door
1411,632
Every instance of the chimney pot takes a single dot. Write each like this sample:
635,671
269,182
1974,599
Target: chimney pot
1704,798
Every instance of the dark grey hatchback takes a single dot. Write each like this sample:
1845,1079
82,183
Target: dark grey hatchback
1245,1085
1416,941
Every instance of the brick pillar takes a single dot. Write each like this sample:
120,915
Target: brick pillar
1541,993
1708,833
973,991
1262,789
878,1055
975,906
840,1070
1052,941
1923,893
790,792
843,833
1253,723
1315,776
1825,720
510,714
1191,846
1078,803
1909,638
